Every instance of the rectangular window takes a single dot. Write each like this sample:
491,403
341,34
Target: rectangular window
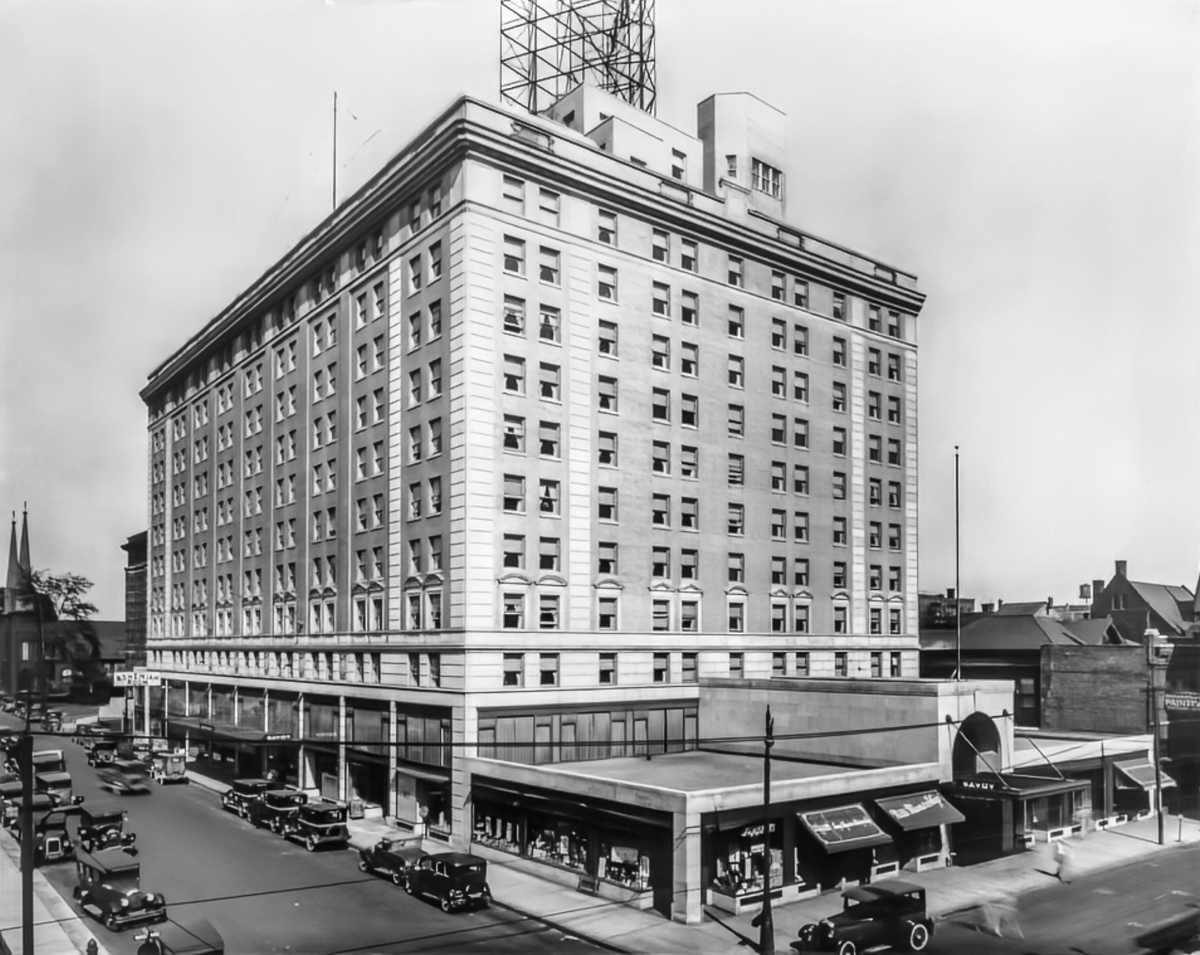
737,568
549,553
839,352
660,300
875,535
894,579
874,405
689,668
549,382
894,537
514,194
893,457
737,421
800,293
548,662
839,575
800,527
893,367
660,510
894,494
514,550
414,274
875,577
688,255
736,270
607,618
606,503
736,322
778,429
778,381
606,557
875,449
661,670
839,485
514,315
873,318
660,457
778,286
737,470
660,245
800,572
608,661
779,476
606,284
689,415
689,462
514,255
514,611
607,339
779,524
895,626
606,449
839,306
874,360
839,441
894,669
514,375
660,404
606,227
800,432
548,205
660,562
548,496
800,386
839,396
689,359
548,439
514,433
689,513
689,308
660,352
550,324
737,624
435,262
514,493
514,669
548,265
893,413
606,394
735,524
660,615
766,179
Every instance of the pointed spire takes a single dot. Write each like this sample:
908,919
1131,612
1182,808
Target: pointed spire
23,558
13,582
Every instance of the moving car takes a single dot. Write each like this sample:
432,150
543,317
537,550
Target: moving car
317,824
102,826
275,808
123,776
391,858
455,880
890,913
109,890
237,798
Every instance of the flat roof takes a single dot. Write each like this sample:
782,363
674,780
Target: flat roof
698,771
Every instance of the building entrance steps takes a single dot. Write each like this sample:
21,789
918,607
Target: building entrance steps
949,891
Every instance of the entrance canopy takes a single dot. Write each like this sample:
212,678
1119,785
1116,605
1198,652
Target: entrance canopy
224,731
1139,773
844,828
920,810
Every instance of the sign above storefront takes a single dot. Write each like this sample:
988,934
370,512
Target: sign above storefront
754,832
1181,700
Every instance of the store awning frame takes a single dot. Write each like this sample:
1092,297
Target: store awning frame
425,774
920,810
843,828
1140,773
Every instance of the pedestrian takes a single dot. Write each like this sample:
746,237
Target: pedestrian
1061,854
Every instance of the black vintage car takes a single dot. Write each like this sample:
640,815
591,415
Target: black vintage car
109,890
237,798
455,880
317,824
102,826
123,776
101,752
186,937
890,913
392,859
51,839
275,808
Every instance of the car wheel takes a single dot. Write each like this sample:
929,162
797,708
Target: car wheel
398,877
918,937
847,948
310,844
445,903
362,866
110,922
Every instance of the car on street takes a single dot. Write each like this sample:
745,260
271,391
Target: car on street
101,751
51,839
102,826
169,767
123,776
390,858
455,880
12,807
237,798
887,914
110,890
275,808
57,785
183,937
318,824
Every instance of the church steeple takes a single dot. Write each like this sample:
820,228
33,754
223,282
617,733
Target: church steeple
19,582
13,581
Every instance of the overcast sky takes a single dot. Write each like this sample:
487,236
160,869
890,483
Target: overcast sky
1037,164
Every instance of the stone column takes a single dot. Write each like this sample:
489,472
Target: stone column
688,893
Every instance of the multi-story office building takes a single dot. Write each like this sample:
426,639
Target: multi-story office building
552,420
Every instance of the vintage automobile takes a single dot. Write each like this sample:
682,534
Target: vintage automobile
169,767
10,802
51,839
55,785
88,734
12,806
188,937
275,808
123,776
317,824
455,880
52,721
109,890
392,859
49,761
102,826
237,798
889,913
102,752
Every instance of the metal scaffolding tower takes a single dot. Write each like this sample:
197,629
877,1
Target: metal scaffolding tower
548,47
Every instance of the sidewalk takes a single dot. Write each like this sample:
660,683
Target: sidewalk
949,891
58,930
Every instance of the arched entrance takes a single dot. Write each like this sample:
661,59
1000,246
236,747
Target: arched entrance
977,746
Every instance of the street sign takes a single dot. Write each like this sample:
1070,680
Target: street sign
123,678
139,677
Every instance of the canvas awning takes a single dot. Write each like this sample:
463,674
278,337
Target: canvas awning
844,828
1140,774
920,810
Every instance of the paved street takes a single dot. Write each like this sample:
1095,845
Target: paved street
1099,914
269,895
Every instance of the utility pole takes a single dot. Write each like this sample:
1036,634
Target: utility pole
766,937
1152,655
957,585
25,758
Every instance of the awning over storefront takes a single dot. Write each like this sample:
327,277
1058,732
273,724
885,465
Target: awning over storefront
920,810
844,828
427,775
1140,774
213,730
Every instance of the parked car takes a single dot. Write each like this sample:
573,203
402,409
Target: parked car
55,785
390,858
169,767
889,913
317,824
51,840
187,937
455,880
102,752
102,826
237,798
110,891
275,808
123,776
13,802
52,721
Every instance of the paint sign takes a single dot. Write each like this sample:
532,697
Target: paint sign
1182,700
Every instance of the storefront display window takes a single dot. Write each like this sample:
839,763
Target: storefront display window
498,827
740,854
624,864
559,841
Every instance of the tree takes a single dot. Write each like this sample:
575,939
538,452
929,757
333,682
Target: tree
67,592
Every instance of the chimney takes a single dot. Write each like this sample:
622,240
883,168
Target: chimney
949,593
1049,604
1097,589
999,604
1121,565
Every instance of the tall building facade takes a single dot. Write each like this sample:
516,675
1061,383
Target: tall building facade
554,419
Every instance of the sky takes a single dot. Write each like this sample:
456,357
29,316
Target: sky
1036,164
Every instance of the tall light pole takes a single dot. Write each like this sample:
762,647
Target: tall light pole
766,937
957,592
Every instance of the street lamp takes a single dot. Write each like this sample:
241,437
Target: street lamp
766,937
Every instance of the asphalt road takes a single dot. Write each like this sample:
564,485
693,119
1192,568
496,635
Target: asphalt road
266,894
1100,914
